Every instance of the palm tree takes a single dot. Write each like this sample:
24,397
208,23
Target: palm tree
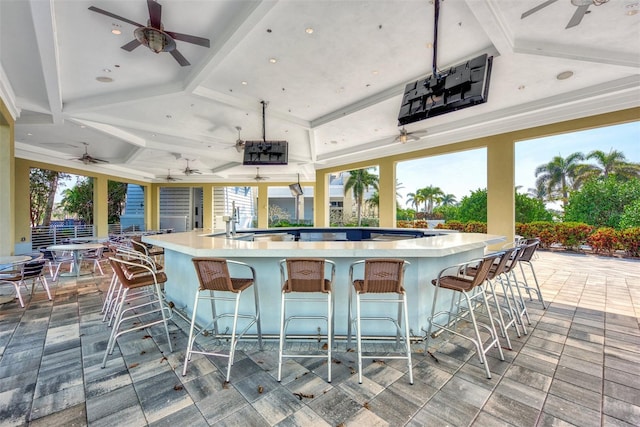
557,177
415,199
448,200
374,201
360,180
430,195
614,162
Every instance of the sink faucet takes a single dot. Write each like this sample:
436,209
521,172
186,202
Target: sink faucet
235,217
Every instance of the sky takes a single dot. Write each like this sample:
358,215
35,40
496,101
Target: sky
461,173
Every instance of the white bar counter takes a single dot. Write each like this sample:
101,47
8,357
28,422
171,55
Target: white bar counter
427,255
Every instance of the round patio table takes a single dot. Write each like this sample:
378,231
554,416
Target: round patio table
75,248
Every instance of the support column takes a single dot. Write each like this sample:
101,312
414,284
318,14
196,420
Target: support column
22,207
207,206
387,193
152,201
101,206
263,206
7,182
321,200
501,205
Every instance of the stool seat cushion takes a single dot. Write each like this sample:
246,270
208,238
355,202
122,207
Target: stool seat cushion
454,283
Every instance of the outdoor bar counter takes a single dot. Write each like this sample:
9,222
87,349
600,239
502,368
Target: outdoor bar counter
428,251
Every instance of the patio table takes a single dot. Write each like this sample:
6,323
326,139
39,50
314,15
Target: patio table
75,248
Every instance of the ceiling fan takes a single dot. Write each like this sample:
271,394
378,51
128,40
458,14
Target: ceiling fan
259,177
239,142
406,136
87,159
582,9
188,171
154,36
170,178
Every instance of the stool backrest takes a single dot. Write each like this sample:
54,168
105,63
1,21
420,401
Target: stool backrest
505,256
383,275
213,274
482,269
528,249
305,275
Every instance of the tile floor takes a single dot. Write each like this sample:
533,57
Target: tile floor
579,365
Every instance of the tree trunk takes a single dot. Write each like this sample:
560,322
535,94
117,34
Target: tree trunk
46,220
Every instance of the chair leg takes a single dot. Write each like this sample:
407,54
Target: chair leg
329,335
256,298
232,350
529,288
114,331
191,340
359,337
407,339
282,336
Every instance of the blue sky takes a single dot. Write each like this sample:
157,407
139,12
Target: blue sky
461,173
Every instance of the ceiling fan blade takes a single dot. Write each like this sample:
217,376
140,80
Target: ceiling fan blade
200,41
155,13
114,16
178,57
577,16
131,45
537,8
94,160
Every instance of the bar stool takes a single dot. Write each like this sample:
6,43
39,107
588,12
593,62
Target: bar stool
306,276
457,280
528,250
496,270
380,277
31,270
214,277
153,302
510,287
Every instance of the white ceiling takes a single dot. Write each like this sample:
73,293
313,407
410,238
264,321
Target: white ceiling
334,95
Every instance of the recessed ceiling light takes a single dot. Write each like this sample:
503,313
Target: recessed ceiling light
375,72
104,79
29,134
429,45
521,87
244,83
116,29
168,116
309,30
273,60
564,75
334,141
106,70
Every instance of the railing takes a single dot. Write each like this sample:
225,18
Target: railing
43,236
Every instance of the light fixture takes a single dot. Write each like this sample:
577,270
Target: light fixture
104,79
564,75
116,29
309,30
273,60
403,138
156,40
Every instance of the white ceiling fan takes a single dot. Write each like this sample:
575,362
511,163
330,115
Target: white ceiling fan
259,177
170,178
188,171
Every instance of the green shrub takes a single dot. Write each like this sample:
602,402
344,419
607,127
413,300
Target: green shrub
630,241
451,225
572,234
631,215
475,227
604,240
543,230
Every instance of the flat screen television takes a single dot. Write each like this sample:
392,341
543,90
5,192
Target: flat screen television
258,153
296,189
458,87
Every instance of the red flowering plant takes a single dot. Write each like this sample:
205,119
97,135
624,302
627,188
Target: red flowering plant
604,240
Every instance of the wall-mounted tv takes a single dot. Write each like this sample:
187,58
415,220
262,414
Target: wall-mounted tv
258,153
458,87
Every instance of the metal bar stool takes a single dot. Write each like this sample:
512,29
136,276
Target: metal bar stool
214,277
306,276
528,250
148,306
510,286
456,279
380,277
497,269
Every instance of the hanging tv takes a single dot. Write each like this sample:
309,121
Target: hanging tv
458,87
258,153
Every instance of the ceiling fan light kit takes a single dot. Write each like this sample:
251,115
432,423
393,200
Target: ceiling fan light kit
153,35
